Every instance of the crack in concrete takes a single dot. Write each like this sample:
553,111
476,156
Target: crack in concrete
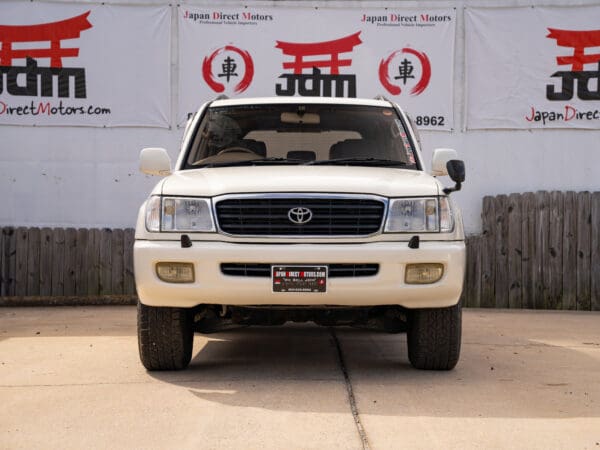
352,400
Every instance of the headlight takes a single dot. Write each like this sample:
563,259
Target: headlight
179,214
419,215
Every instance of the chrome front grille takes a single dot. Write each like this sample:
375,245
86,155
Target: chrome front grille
274,216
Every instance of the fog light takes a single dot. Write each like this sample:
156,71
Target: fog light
175,272
423,273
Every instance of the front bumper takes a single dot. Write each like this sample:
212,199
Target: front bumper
211,286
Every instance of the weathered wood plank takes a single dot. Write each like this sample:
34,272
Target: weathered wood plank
93,262
46,238
569,260
105,261
3,267
58,262
515,251
33,262
553,274
501,235
595,257
117,271
128,241
544,248
464,296
70,261
21,261
81,252
584,251
527,242
479,242
542,225
473,285
10,252
488,252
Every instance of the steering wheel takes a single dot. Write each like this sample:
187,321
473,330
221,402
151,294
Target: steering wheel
236,150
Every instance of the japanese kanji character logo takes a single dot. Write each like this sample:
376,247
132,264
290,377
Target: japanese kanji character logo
228,68
404,71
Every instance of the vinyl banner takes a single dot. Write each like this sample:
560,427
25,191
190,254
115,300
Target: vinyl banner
84,64
533,67
405,55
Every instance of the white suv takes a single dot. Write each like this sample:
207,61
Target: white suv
297,209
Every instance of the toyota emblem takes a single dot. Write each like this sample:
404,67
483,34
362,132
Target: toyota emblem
300,215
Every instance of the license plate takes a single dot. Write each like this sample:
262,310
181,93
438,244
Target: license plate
299,278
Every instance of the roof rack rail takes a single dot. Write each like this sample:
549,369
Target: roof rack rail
382,97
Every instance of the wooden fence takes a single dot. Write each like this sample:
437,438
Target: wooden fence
58,262
537,250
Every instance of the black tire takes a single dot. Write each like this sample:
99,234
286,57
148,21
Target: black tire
165,337
434,337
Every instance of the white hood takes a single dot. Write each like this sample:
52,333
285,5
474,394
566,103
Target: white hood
387,182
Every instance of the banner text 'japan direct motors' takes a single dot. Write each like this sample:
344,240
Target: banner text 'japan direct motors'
406,55
87,65
533,67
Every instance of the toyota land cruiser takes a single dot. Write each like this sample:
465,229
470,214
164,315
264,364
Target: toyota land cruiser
298,209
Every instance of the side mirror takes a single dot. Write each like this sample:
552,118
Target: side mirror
456,171
155,161
441,156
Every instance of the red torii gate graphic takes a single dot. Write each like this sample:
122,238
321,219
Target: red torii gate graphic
53,32
332,48
579,41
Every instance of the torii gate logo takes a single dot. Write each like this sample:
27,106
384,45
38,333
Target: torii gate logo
316,84
578,41
53,33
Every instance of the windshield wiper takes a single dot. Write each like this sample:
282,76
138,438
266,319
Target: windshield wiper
272,159
250,162
357,161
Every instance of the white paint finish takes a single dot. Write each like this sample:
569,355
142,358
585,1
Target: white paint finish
385,288
440,159
310,100
155,161
389,182
81,164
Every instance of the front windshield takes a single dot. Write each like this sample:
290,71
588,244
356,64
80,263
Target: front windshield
301,134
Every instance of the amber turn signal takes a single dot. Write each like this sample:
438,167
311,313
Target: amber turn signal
175,272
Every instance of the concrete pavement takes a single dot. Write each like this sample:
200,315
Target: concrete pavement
71,378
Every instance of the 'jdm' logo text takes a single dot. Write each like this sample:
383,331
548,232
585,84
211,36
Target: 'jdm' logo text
35,75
